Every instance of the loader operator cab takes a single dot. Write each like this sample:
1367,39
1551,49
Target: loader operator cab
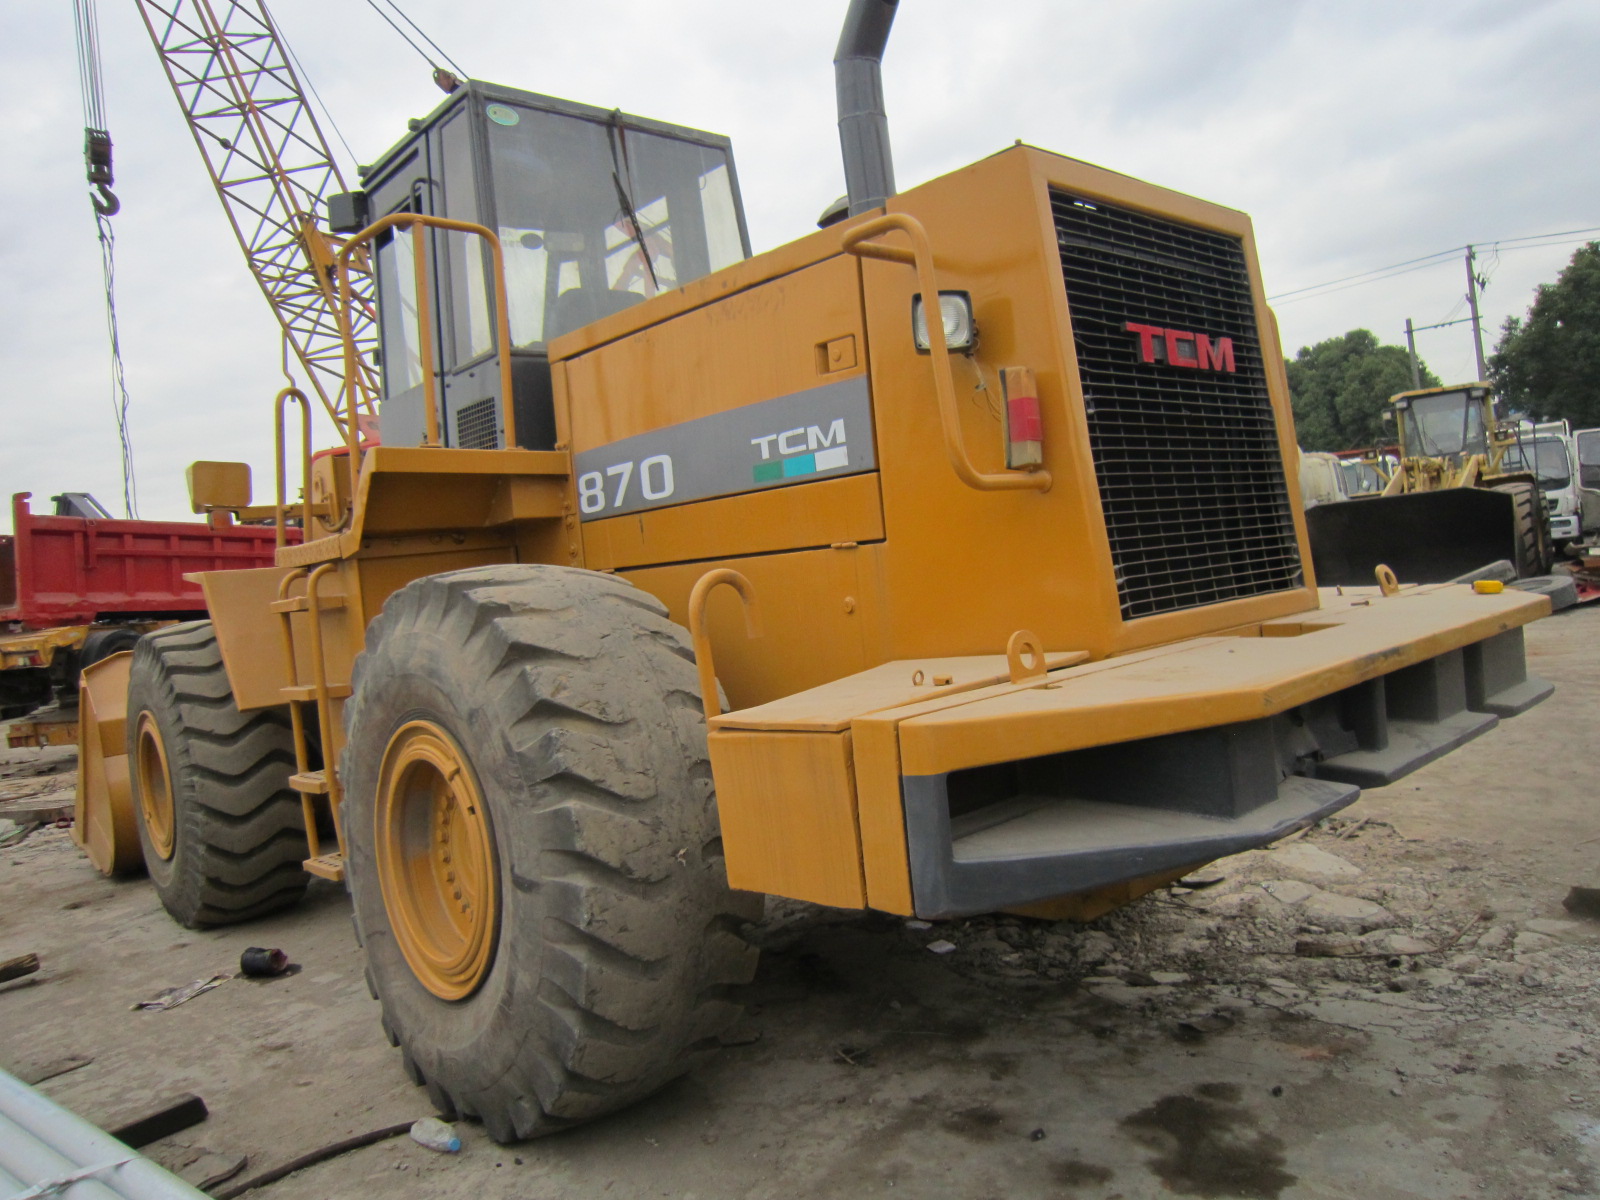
1448,423
596,211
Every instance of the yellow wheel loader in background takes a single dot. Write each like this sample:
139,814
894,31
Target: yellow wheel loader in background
942,561
1450,508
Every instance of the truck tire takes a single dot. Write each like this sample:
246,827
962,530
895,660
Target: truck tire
222,832
1533,547
533,848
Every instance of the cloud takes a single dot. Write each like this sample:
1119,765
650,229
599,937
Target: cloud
1355,135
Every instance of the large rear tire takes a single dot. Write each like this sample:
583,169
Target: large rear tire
533,848
222,832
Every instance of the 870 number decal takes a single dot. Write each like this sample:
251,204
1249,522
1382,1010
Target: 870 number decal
598,491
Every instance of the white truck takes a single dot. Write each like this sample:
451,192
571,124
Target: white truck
1548,451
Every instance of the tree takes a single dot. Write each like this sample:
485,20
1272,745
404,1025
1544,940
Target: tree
1548,364
1341,387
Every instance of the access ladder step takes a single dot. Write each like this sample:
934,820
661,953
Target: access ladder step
312,783
294,604
327,866
306,693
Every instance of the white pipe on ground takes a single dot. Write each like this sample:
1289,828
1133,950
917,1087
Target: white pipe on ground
46,1151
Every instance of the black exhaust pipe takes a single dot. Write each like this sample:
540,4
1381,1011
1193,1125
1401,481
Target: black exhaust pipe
863,127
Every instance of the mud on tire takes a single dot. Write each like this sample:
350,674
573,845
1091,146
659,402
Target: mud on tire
575,702
237,836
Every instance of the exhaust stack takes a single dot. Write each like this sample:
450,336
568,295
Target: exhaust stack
863,127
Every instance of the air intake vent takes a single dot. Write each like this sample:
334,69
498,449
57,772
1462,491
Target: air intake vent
1191,480
477,425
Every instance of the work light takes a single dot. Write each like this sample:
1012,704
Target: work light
955,310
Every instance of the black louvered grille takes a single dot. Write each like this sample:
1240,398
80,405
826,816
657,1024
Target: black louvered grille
1191,480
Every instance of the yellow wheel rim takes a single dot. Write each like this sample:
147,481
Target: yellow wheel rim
436,860
155,785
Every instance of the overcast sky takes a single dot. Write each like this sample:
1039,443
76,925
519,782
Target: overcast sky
1356,134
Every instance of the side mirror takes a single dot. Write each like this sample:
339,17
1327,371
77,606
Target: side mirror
1388,416
218,485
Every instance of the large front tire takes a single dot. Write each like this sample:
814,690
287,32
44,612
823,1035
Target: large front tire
1531,524
533,848
222,832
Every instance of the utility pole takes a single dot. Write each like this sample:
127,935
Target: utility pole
1411,347
1477,321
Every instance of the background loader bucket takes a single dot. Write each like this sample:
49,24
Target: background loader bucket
1426,537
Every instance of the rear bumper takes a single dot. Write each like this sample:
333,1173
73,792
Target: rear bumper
1017,832
1000,793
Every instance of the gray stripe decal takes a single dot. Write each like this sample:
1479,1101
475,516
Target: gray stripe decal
820,433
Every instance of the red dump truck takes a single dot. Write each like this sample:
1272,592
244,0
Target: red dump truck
77,585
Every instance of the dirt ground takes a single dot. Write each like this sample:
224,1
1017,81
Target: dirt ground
1445,1042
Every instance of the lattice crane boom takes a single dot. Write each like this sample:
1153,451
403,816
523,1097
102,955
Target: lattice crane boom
274,172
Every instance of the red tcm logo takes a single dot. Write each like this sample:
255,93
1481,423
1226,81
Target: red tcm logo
1180,348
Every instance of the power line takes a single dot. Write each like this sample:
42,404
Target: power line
1363,274
1378,274
1357,281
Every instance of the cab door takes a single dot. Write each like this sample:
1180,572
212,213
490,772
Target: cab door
1588,480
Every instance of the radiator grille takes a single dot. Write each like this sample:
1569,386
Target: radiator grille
477,425
1191,480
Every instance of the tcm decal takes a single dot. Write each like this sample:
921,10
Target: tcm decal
817,433
802,451
1180,348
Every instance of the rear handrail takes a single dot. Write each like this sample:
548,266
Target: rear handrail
415,223
286,395
701,636
859,241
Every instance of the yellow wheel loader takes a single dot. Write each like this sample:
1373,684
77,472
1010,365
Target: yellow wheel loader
1451,507
940,562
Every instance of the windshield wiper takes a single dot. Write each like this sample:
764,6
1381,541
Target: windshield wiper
616,133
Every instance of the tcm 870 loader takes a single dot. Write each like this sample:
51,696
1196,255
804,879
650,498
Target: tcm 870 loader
941,562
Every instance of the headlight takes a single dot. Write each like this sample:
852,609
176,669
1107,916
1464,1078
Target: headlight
955,310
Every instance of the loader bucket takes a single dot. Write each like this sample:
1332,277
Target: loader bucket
1425,537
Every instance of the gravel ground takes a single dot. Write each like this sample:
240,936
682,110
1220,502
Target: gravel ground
1395,1004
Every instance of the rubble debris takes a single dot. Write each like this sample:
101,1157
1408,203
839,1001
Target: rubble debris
322,1154
39,1072
1310,864
435,1134
1583,901
261,963
174,996
206,1168
16,968
20,833
941,946
1329,947
1344,914
1288,891
166,1117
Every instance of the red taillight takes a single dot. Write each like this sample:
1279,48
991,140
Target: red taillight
1024,421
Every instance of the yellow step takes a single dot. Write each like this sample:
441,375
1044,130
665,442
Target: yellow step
328,866
308,693
314,783
294,604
